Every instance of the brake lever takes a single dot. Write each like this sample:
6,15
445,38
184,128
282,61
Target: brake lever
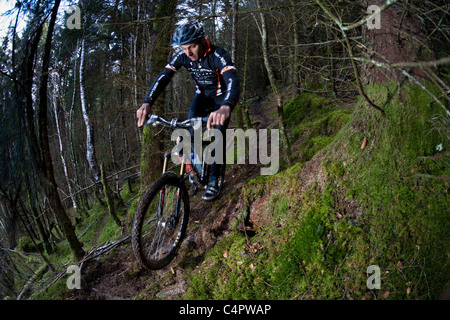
152,119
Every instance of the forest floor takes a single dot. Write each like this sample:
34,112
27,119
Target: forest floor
117,276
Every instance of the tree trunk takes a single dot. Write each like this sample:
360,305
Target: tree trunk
400,39
238,109
109,197
332,75
151,160
243,105
55,96
40,148
90,147
274,85
80,196
296,62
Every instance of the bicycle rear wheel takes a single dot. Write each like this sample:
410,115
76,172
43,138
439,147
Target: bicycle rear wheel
160,222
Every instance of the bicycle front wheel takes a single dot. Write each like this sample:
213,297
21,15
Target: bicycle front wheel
160,222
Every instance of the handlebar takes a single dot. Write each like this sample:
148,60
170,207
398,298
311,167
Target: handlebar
156,120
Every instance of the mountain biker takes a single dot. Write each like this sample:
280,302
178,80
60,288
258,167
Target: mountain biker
216,82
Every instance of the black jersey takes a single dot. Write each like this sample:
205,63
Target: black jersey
214,75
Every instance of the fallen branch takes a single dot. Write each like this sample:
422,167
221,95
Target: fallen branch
102,250
92,254
27,288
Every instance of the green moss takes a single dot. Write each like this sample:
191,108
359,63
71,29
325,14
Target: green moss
110,231
57,291
314,122
26,244
383,205
255,188
399,186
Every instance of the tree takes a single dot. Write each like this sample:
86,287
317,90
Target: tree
38,140
273,84
90,145
151,160
400,39
56,98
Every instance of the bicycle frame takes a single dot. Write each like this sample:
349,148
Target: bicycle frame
174,123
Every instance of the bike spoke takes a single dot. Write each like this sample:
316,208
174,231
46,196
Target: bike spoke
160,223
163,228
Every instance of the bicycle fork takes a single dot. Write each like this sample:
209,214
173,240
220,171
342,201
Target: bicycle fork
162,193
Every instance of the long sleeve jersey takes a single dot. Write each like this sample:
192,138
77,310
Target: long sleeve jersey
214,75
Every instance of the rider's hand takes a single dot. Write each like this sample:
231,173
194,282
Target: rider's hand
218,118
142,113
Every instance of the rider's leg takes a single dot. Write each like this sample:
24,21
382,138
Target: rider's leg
201,106
212,191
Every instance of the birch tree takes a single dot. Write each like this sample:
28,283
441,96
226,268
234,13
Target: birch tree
90,147
55,99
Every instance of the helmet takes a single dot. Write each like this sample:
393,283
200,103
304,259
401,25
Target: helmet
188,33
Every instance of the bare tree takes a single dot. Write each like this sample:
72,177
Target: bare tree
273,83
151,160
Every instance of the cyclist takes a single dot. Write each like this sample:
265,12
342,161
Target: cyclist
216,81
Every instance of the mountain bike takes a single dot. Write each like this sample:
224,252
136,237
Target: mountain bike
161,218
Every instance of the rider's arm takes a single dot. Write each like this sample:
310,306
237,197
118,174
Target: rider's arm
155,90
230,76
164,78
158,86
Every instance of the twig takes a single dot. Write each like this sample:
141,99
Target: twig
103,249
92,254
360,22
350,51
422,64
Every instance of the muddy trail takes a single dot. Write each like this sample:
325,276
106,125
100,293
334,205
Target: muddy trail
117,276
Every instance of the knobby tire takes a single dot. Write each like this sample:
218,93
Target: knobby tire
143,241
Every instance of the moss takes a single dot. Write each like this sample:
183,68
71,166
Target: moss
255,188
314,122
126,194
57,291
26,244
391,197
301,106
110,231
406,216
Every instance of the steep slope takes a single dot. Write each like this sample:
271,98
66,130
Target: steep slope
372,193
365,190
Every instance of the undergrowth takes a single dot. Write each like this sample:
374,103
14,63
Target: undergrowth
93,229
383,204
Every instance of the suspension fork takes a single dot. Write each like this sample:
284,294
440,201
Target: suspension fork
178,199
163,191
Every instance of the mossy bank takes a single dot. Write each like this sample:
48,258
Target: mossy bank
367,189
